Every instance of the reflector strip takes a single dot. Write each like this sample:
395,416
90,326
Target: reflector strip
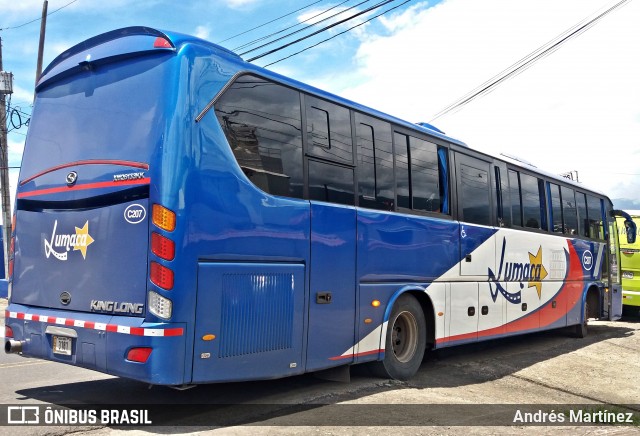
127,330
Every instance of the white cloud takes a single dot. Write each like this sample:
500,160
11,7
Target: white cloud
574,110
202,32
236,4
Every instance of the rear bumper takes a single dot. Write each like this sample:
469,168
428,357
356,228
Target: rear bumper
630,298
101,342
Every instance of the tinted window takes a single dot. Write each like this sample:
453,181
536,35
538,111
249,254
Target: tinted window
328,130
569,211
583,222
329,182
425,188
531,202
401,143
503,202
474,184
556,208
594,213
262,123
516,202
375,163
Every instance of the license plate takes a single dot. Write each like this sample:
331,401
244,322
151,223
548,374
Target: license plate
627,275
62,345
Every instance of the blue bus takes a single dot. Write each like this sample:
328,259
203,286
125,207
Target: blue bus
185,217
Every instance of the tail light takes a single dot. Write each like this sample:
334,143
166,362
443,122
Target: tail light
165,248
162,247
8,332
161,276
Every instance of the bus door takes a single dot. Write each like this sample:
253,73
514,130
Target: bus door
471,302
332,290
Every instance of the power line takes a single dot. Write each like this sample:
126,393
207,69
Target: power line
527,61
248,44
338,34
268,22
376,6
305,27
37,19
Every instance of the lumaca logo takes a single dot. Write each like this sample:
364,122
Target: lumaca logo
64,242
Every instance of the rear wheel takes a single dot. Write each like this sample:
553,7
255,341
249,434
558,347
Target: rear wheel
405,342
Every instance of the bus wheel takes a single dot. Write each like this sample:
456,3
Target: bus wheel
405,342
580,330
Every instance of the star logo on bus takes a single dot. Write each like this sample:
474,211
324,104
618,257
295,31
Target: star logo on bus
83,239
538,271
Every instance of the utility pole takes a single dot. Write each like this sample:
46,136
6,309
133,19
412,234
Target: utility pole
43,26
6,88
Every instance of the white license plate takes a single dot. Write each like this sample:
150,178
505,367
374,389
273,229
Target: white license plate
62,345
627,275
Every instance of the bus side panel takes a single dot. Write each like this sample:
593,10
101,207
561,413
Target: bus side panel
405,248
332,296
249,321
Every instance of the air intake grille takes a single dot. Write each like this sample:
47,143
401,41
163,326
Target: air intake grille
257,313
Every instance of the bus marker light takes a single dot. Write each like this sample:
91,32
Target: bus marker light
368,321
160,42
375,303
440,313
140,354
162,247
161,276
164,218
208,337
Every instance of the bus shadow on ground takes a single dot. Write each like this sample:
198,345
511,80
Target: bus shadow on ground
284,401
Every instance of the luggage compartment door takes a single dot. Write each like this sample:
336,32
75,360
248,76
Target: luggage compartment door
249,321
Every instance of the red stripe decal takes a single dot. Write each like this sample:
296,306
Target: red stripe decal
86,186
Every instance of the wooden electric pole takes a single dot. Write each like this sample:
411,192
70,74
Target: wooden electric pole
5,89
43,26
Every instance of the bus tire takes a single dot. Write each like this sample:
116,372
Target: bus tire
405,341
581,330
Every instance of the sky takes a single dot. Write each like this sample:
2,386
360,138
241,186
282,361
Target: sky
574,110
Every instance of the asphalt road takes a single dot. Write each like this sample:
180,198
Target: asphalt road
466,390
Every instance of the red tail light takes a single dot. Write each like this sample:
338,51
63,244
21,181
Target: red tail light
8,332
161,276
140,354
162,247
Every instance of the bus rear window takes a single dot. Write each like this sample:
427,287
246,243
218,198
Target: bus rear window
112,112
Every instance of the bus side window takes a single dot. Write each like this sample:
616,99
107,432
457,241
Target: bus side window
375,163
328,130
594,217
330,182
474,192
569,211
534,211
425,177
262,123
556,208
503,197
516,198
583,222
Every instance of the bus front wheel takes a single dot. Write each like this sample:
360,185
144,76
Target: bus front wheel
405,341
